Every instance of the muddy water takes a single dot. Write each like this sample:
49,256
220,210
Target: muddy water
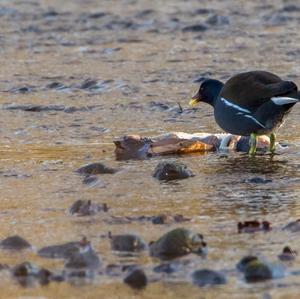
75,75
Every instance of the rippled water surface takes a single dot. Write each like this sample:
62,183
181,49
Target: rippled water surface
76,74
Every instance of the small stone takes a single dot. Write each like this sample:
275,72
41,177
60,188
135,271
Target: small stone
26,272
253,226
127,243
96,168
206,277
195,28
256,271
293,226
176,243
83,263
61,251
165,268
160,219
168,171
136,279
14,243
258,180
217,20
287,254
245,261
86,208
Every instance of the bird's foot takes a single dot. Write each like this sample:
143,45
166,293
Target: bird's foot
252,143
272,142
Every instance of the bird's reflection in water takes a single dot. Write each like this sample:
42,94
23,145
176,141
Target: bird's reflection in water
259,185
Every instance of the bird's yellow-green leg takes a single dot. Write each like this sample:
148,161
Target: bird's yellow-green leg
252,143
272,142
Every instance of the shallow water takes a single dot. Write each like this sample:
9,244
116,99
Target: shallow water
124,72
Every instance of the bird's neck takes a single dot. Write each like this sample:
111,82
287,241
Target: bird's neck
215,92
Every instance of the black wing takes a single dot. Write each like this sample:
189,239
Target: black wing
252,89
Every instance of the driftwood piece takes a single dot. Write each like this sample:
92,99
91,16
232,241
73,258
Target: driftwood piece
135,146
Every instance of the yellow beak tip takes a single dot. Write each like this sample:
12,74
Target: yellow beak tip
193,102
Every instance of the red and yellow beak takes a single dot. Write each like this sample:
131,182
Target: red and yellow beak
195,100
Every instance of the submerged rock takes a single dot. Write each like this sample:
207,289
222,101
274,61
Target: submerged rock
164,219
293,226
195,28
87,208
287,254
256,271
253,226
257,180
168,171
26,273
15,243
217,20
171,267
118,270
136,279
127,243
83,263
245,261
96,168
206,277
61,251
176,243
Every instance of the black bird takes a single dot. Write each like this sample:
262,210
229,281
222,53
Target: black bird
249,104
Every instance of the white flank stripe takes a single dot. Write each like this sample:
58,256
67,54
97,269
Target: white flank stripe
237,107
283,100
251,117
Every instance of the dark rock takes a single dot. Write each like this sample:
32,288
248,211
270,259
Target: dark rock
164,219
287,254
202,11
87,208
26,273
50,13
137,279
23,89
277,19
245,261
253,226
160,219
144,13
96,168
14,243
89,84
176,243
118,270
168,171
258,180
127,243
195,28
91,180
62,251
97,15
35,108
56,85
291,8
206,277
166,268
293,226
217,20
83,263
256,271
